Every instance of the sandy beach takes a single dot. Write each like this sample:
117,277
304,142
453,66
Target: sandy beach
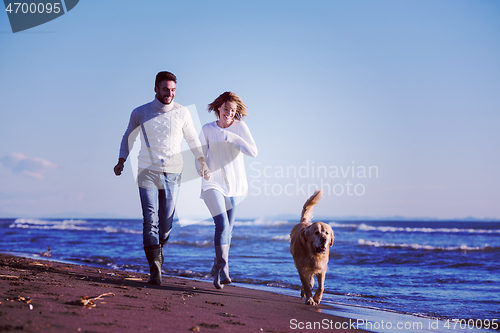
48,296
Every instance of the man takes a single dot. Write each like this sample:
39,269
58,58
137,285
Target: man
162,124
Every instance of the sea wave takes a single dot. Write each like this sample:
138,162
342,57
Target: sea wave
256,222
364,227
119,230
186,222
263,222
50,224
415,246
342,225
69,225
205,243
281,238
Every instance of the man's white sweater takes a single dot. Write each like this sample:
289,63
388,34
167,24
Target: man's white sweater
162,127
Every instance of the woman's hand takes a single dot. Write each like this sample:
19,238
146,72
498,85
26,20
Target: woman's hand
204,171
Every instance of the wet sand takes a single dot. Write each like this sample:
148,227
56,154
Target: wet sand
48,296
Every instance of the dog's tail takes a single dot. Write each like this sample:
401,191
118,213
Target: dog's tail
307,211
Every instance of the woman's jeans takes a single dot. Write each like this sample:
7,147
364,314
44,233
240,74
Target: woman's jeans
223,211
158,192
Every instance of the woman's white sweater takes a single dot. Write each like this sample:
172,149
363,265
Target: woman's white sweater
223,148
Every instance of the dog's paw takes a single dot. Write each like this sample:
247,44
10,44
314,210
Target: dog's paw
302,294
311,301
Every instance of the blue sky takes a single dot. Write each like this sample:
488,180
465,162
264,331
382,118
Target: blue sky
406,89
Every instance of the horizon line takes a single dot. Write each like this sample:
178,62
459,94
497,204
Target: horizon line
275,217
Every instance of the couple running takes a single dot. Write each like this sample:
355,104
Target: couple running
162,124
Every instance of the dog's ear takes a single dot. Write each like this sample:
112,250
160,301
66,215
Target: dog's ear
332,237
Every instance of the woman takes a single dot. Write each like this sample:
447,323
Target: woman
223,142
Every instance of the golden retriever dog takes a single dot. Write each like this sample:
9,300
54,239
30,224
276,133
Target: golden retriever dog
310,247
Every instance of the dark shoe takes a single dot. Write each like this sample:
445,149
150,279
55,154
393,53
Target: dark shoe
162,244
154,254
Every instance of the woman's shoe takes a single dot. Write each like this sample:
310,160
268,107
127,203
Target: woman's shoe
220,268
226,281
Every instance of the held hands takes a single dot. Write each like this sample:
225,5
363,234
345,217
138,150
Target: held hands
204,171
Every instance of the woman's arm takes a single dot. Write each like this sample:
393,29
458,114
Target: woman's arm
244,140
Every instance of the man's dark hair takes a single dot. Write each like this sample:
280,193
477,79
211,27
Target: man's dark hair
164,76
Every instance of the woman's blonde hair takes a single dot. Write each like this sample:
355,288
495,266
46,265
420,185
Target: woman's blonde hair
241,108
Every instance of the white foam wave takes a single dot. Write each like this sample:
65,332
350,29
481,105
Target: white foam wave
263,222
416,246
339,225
281,238
258,222
119,230
79,225
49,224
205,243
185,222
364,227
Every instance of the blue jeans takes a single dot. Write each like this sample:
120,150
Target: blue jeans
158,192
223,211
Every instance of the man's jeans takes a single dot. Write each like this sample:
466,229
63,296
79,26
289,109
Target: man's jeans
158,192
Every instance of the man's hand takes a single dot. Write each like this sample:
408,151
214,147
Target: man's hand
119,166
204,170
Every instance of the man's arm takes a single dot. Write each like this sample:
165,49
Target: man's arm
194,144
191,136
127,141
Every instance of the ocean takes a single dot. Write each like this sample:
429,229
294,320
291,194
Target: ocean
429,269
